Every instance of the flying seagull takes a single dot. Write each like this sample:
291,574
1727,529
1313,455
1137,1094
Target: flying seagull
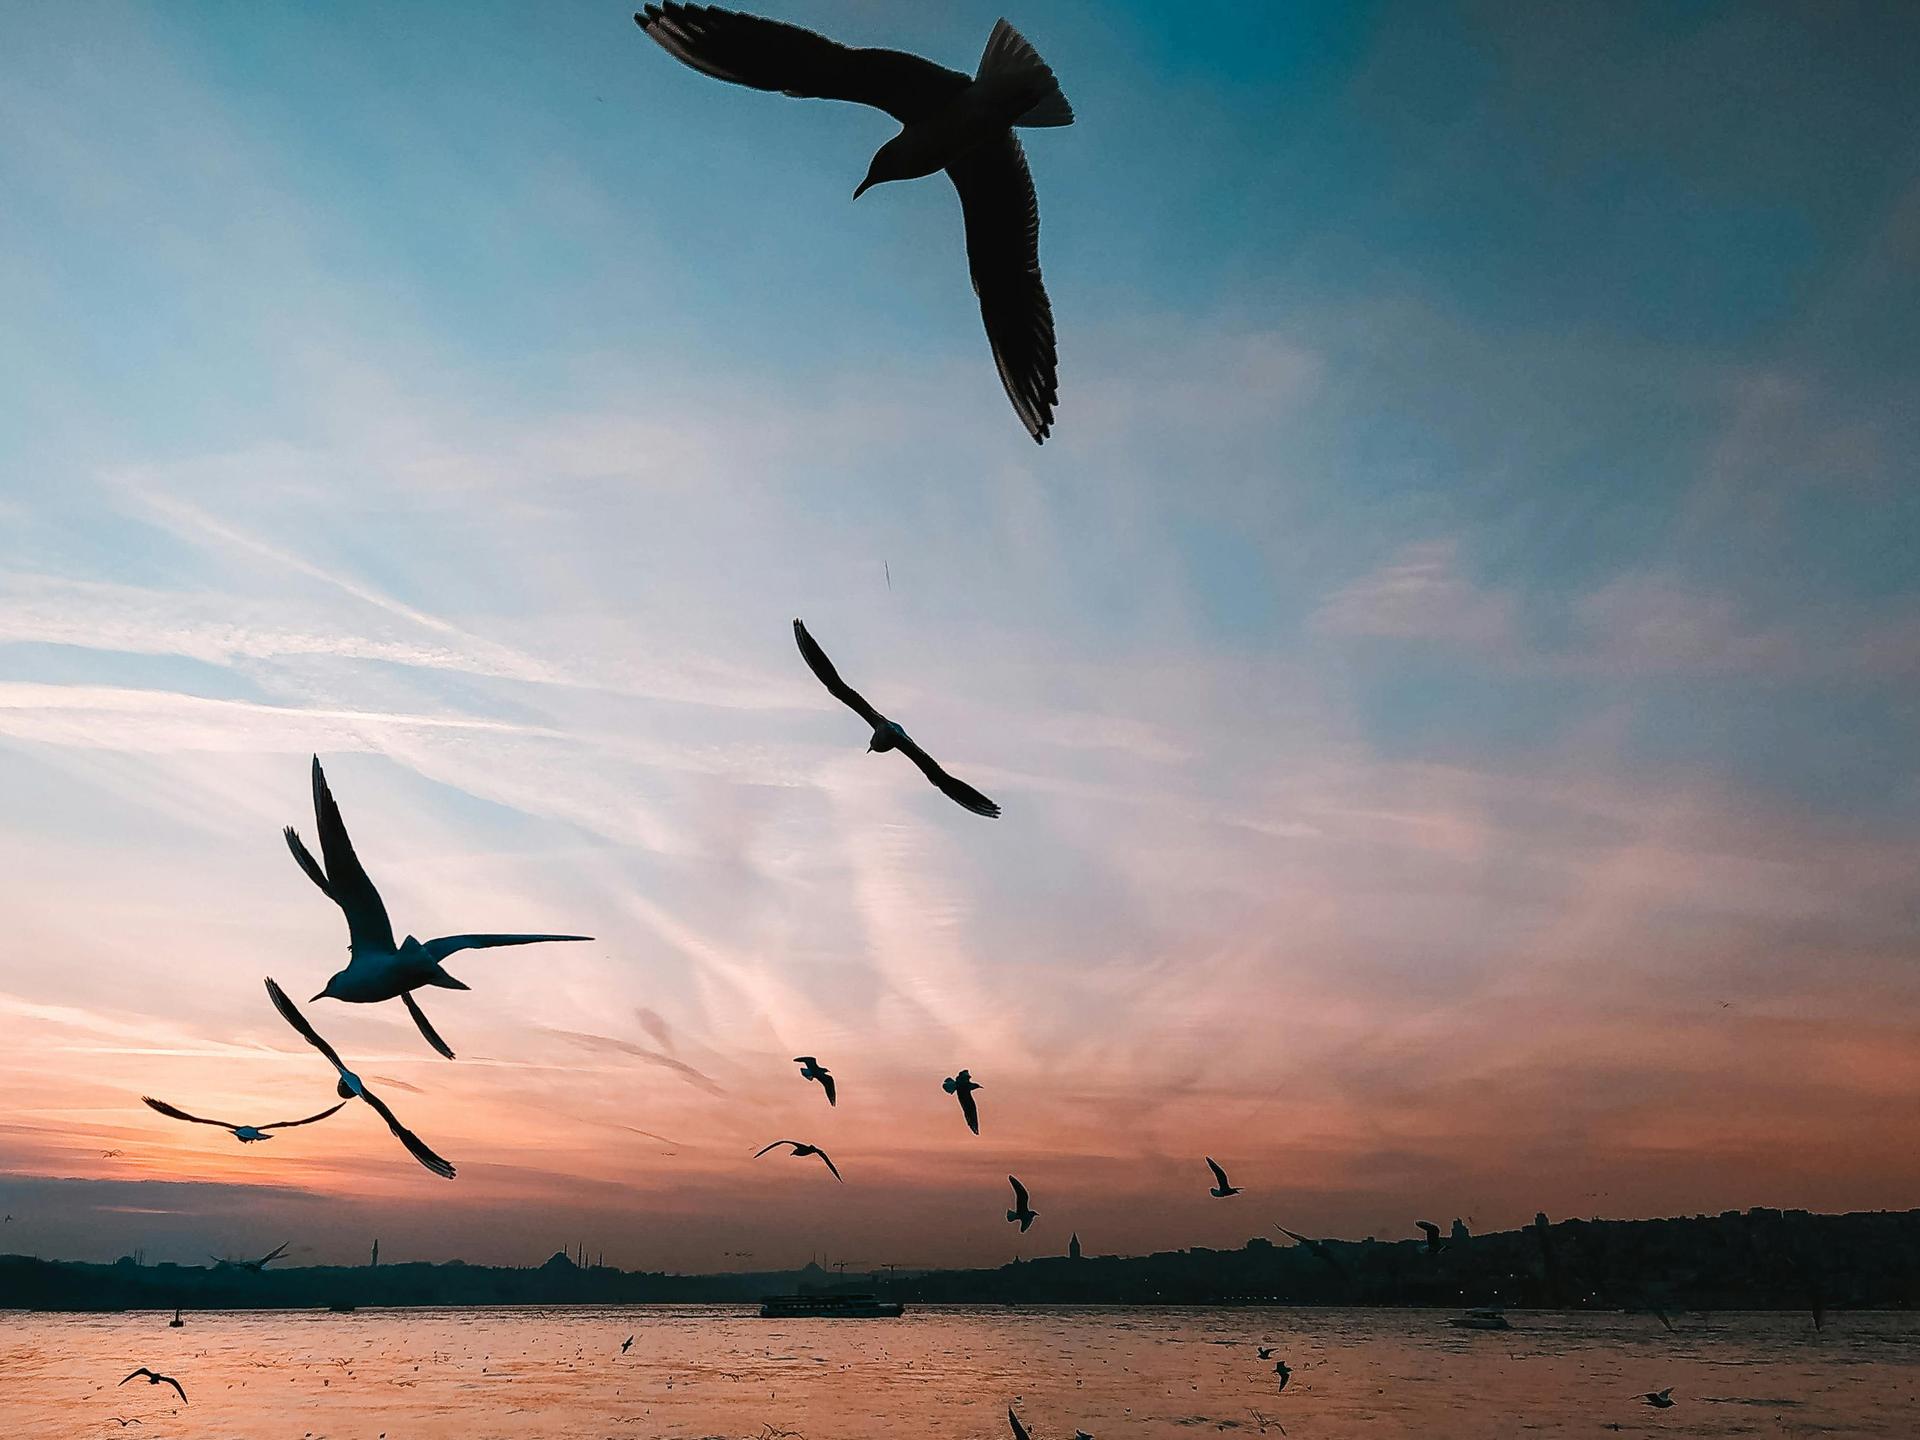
123,1423
1432,1232
962,124
254,1266
1284,1371
887,734
962,1086
352,1086
1315,1248
155,1378
1266,1352
1019,1430
801,1150
245,1134
626,1344
1021,1211
377,969
1660,1399
812,1069
1221,1189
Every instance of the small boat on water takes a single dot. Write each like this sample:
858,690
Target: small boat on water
828,1307
1482,1319
176,1322
340,1308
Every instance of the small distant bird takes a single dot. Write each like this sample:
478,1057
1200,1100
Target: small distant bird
377,969
123,1423
351,1086
800,1151
626,1344
1221,1189
1266,1352
1315,1248
111,1154
253,1267
155,1378
245,1134
1432,1232
962,1087
1660,1399
962,124
1021,1211
812,1069
887,735
1284,1371
1019,1430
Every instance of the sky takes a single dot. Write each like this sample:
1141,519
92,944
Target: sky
1452,678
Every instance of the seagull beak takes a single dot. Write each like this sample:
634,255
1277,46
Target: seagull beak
862,188
321,996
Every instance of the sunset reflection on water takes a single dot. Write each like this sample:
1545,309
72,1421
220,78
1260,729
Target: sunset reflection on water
723,1372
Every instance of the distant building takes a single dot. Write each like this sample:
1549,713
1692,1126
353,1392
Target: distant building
1073,1246
1459,1233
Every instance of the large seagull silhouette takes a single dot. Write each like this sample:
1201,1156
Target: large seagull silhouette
962,124
377,968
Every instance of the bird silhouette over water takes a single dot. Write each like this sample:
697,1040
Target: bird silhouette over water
351,1086
245,1134
1266,1352
1660,1399
962,1087
377,968
1021,1211
812,1069
1019,1430
887,735
962,124
1284,1371
626,1344
1221,1189
801,1150
155,1378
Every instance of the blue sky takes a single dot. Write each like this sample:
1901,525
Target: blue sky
1452,677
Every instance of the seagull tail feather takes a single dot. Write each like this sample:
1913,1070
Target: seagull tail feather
1010,61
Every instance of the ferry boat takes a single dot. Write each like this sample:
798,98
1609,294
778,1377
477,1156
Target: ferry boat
828,1307
1485,1319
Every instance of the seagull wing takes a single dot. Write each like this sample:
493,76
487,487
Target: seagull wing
275,1255
1218,1174
446,945
347,881
293,1017
1019,1193
822,667
1002,217
426,1025
830,1165
179,1114
970,1110
289,1124
826,1084
958,791
771,55
1295,1236
1019,1430
169,1380
143,1370
307,863
416,1147
776,1145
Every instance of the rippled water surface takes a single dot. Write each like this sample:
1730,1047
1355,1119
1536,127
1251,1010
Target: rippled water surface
423,1374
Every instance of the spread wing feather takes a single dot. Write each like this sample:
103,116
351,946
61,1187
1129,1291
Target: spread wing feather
773,55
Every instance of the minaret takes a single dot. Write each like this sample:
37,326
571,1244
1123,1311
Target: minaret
375,1261
1073,1246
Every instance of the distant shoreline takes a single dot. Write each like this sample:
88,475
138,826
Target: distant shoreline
1754,1260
